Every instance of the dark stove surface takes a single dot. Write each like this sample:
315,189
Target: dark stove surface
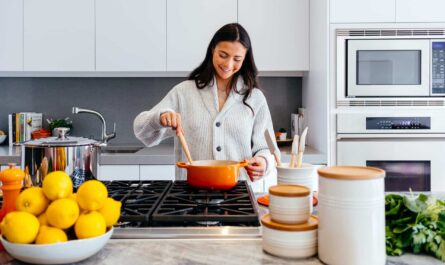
185,205
167,203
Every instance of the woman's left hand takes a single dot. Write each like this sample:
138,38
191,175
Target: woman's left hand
256,168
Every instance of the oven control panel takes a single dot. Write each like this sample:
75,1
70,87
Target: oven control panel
398,123
438,67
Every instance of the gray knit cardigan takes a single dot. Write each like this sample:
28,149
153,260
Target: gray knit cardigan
234,133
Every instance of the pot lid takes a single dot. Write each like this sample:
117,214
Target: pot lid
351,172
61,140
289,190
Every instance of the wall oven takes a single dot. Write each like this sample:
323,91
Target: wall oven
390,63
408,145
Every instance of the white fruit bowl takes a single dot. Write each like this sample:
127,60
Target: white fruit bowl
58,253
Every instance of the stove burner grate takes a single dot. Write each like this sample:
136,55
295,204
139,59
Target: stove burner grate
185,205
139,198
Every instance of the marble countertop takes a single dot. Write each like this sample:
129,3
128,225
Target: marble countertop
203,252
162,154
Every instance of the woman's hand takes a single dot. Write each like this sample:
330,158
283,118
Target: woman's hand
256,168
171,119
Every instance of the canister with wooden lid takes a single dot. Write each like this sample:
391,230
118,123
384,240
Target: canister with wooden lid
289,204
351,208
290,241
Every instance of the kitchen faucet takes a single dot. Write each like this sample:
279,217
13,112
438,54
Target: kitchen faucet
105,136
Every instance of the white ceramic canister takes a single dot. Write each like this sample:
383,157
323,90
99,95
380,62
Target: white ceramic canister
290,241
351,209
297,176
289,204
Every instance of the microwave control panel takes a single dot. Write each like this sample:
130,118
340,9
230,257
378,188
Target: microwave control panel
438,67
398,123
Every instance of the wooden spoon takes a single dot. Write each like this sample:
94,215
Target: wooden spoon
185,147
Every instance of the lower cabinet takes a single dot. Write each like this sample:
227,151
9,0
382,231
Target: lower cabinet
136,172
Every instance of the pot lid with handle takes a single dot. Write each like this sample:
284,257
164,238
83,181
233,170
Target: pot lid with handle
60,140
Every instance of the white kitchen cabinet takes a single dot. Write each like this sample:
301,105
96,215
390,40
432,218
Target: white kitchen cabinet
362,11
420,11
279,32
157,172
118,172
190,27
59,35
11,35
130,35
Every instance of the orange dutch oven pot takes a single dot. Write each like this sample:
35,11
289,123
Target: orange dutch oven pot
213,174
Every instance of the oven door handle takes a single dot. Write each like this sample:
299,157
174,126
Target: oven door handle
345,136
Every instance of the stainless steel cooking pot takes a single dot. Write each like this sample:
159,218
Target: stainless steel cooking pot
77,156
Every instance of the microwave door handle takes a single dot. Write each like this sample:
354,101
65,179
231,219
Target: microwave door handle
380,136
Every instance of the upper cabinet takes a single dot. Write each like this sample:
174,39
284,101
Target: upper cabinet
420,10
130,35
59,35
190,27
279,31
362,11
11,35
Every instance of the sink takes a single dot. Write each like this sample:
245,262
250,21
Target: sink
120,149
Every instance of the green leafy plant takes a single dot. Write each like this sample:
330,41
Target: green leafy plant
415,223
55,123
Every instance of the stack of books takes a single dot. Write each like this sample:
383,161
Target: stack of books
22,124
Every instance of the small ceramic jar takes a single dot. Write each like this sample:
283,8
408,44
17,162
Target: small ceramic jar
289,204
290,241
304,176
351,208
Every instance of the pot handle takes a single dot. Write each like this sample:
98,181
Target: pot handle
243,163
182,165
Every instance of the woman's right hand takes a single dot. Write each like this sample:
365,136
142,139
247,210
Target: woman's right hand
171,119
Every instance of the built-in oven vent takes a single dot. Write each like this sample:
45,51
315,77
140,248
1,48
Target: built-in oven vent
390,32
389,103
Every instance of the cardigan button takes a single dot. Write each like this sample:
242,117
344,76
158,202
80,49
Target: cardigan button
218,148
218,124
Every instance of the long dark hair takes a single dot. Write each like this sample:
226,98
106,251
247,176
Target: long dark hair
205,72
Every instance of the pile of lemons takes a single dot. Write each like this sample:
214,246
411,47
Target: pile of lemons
49,214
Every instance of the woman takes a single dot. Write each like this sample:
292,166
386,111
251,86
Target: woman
220,109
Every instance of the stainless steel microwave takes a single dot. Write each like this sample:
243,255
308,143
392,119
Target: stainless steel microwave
394,66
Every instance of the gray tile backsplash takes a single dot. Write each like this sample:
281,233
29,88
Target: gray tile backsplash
120,100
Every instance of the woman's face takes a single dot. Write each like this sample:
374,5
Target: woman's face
228,57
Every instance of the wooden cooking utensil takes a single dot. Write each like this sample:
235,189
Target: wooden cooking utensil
275,151
295,144
185,147
301,147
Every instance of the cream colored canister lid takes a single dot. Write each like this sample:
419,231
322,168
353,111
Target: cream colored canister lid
351,172
311,224
289,190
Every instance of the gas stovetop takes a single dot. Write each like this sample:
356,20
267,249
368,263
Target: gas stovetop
166,209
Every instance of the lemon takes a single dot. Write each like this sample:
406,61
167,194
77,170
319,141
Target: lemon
20,227
111,211
32,200
42,219
90,224
57,185
73,197
91,195
62,213
50,235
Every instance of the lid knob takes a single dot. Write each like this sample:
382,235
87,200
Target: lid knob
61,132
